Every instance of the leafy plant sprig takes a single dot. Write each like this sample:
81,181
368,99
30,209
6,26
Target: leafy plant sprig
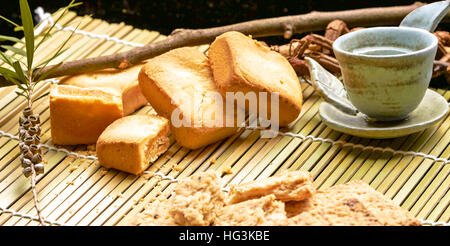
24,75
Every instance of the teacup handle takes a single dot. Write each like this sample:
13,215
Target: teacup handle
427,17
329,87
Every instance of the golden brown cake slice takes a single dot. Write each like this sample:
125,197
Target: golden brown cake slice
156,215
124,81
129,144
264,211
179,86
196,200
79,115
354,203
241,64
289,186
82,106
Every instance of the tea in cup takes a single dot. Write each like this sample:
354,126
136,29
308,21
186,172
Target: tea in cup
386,70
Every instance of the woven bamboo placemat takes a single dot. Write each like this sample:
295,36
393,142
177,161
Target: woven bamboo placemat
75,190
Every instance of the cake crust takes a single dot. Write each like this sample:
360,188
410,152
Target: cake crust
181,81
123,81
82,106
129,144
241,64
79,115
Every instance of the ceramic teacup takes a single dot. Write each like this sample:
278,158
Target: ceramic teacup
386,70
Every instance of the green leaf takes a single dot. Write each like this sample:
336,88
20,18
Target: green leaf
58,52
28,31
65,10
8,73
6,58
5,82
8,81
18,28
14,49
19,72
9,38
47,61
20,93
8,20
9,77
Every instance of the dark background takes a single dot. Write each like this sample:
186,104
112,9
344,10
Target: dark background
167,15
164,16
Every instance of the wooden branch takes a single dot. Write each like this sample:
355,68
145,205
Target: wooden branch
313,21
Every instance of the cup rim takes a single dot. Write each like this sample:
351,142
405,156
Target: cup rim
337,43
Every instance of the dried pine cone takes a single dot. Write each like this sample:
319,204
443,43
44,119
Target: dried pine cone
29,144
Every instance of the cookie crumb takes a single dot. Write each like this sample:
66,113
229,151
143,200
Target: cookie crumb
147,175
227,171
91,147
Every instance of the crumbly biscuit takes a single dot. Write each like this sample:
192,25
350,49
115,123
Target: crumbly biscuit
156,215
264,211
196,200
354,203
289,186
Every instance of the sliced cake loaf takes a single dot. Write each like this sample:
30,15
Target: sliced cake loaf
241,64
179,85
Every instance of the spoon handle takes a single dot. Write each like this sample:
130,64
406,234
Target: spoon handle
427,17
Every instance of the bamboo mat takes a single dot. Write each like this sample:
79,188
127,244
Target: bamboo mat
78,191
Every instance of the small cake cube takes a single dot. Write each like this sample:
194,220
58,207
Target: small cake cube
130,143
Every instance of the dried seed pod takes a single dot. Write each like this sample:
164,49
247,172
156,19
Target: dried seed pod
37,158
28,139
27,111
27,154
39,168
26,162
22,133
22,119
27,171
27,124
35,149
23,147
34,130
36,139
34,119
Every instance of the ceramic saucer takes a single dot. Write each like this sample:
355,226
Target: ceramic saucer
432,109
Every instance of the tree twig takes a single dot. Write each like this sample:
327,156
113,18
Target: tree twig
312,21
